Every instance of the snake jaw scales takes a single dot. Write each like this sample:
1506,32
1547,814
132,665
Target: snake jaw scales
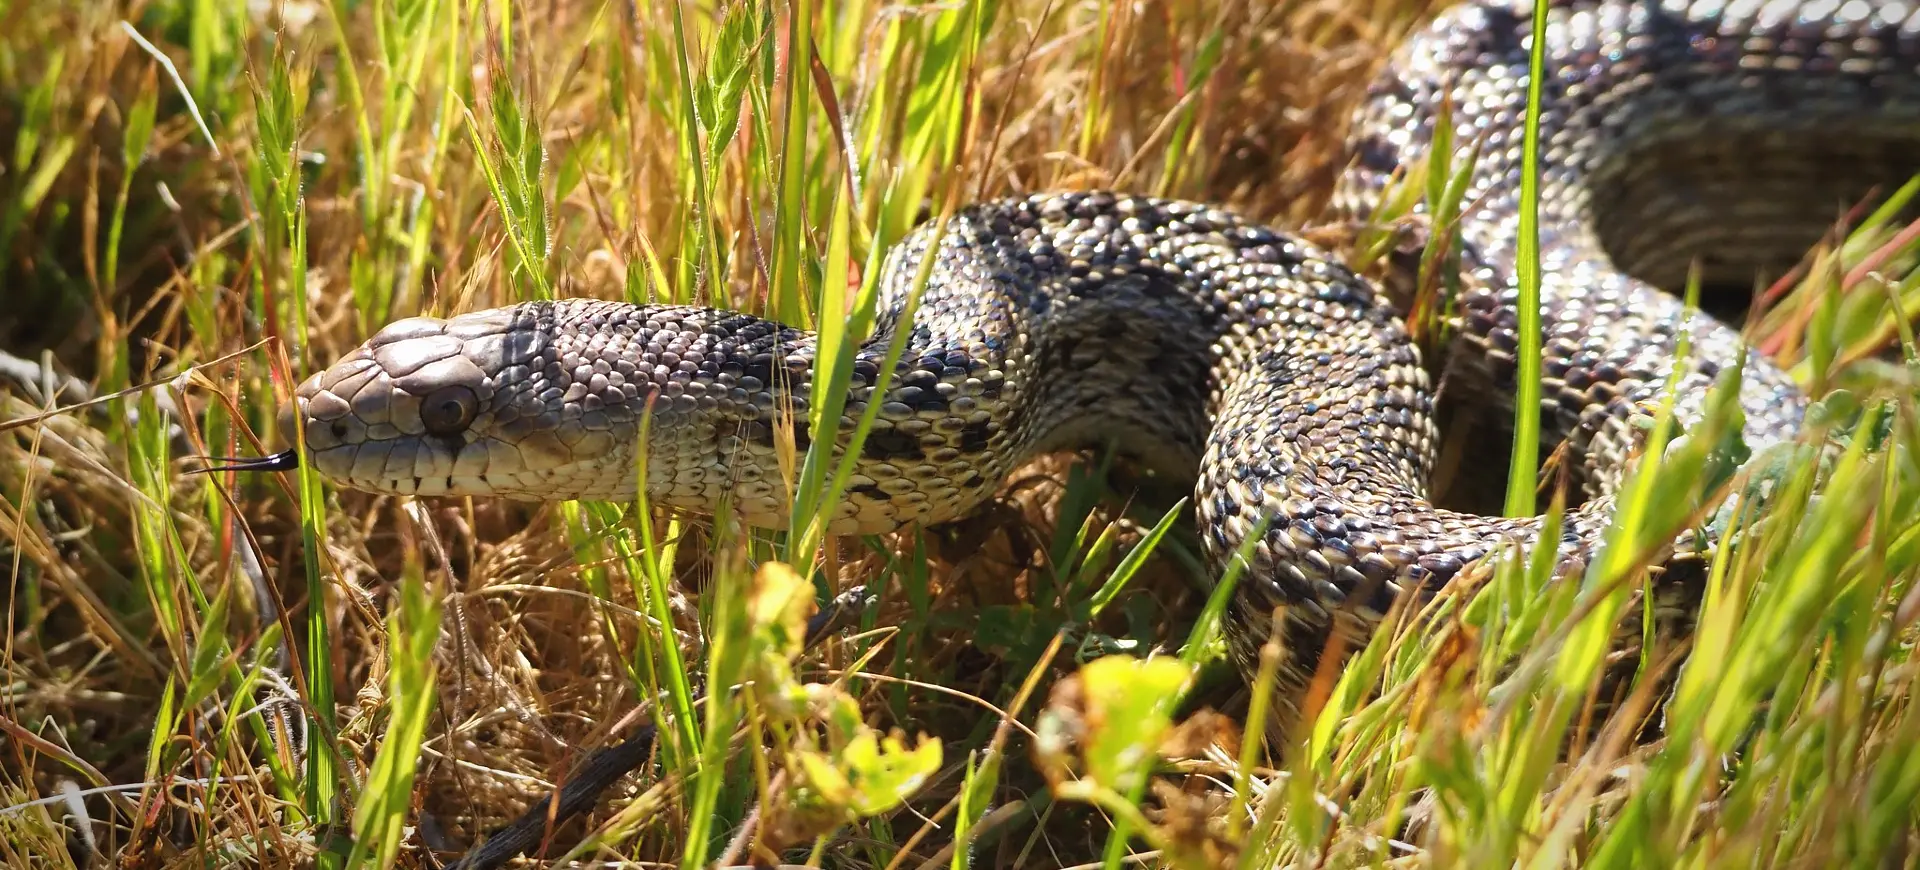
1244,355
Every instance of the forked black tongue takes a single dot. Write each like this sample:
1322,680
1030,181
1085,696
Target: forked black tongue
285,460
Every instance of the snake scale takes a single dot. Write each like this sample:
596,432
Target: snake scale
1721,132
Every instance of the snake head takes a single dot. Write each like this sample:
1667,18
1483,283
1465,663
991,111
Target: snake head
479,404
547,401
410,410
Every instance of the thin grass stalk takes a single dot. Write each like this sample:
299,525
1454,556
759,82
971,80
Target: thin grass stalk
788,299
1526,409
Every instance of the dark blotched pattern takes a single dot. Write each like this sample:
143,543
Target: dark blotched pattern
1214,347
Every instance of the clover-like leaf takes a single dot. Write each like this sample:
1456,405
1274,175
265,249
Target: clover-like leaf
1118,711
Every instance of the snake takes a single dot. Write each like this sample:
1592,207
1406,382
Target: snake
1721,137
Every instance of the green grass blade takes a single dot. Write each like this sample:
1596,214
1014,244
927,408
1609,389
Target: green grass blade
1526,414
381,820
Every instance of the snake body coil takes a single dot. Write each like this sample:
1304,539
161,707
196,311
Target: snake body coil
1215,347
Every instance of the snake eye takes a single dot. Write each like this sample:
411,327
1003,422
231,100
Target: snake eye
448,410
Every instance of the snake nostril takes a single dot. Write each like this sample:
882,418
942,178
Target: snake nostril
340,429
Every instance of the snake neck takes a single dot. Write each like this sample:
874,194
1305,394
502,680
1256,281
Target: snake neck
1060,321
